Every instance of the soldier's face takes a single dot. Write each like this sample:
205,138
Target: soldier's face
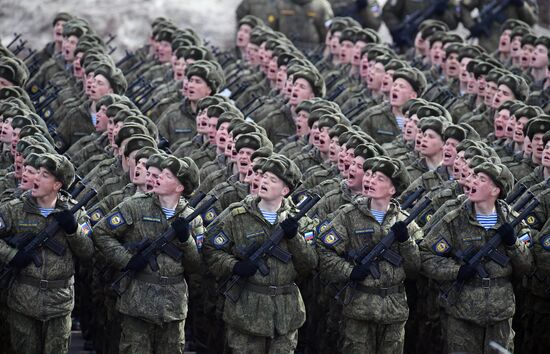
341,160
537,144
45,184
68,46
27,177
510,127
527,147
546,155
518,130
335,43
380,187
387,81
88,83
212,121
515,47
458,164
167,184
256,180
272,187
348,159
481,85
420,44
243,36
526,56
334,150
116,129
281,80
197,89
503,94
355,174
58,31
410,128
375,77
301,90
472,84
449,152
504,42
153,174
539,58
464,75
272,70
314,133
244,164
364,67
346,52
483,188
7,131
401,92
432,143
100,87
179,66
252,54
324,141
466,178
222,136
452,66
490,91
14,140
437,53
367,175
229,147
131,162
140,172
164,51
500,122
5,83
102,121
302,129
356,52
78,72
185,87
418,140
18,164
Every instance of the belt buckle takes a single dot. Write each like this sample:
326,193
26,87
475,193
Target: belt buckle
272,290
43,284
164,281
485,283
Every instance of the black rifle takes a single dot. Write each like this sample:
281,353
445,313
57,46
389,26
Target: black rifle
511,198
128,55
403,35
270,247
369,258
31,53
17,36
149,250
488,251
492,12
30,242
76,187
20,47
412,198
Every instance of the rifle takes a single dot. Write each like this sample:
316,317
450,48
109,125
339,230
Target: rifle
19,47
270,247
339,89
411,198
31,53
370,258
361,104
17,36
488,251
493,11
163,243
75,188
128,55
511,198
30,243
403,35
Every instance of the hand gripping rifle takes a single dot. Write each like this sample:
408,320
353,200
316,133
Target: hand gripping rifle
370,258
269,248
30,242
488,251
149,250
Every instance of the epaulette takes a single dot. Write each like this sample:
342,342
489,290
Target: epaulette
13,202
238,210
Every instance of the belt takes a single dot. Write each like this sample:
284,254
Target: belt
44,284
383,292
272,290
156,279
488,282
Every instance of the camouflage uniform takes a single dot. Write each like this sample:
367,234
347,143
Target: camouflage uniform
177,124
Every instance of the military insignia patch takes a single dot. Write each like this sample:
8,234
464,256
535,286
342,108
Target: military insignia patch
86,229
526,238
96,215
308,236
199,240
331,238
545,242
116,220
210,215
322,227
220,240
532,220
441,247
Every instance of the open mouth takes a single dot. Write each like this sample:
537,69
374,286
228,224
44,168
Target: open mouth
263,188
149,187
394,96
447,155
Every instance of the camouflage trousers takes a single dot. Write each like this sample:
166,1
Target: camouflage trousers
243,343
468,337
536,322
139,336
29,335
369,337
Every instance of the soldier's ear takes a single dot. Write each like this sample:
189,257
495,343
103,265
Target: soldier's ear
495,191
393,191
180,188
413,95
285,191
57,185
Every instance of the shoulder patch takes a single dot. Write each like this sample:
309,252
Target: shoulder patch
441,247
322,227
86,229
209,215
96,215
116,220
545,242
532,220
331,237
220,240
526,238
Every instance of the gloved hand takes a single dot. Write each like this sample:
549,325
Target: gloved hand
465,272
181,227
245,268
517,3
21,259
290,227
67,221
400,231
441,7
358,273
508,234
136,263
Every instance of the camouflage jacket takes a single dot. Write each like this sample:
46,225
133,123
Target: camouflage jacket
77,126
333,200
256,313
227,193
21,216
278,124
455,232
108,203
177,124
138,218
380,123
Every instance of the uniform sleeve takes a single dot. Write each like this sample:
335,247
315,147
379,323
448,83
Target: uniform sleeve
409,250
6,251
304,256
332,245
81,241
520,255
108,236
435,251
218,245
191,257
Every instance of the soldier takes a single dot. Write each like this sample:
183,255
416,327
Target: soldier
154,324
379,326
540,60
273,326
471,325
36,327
